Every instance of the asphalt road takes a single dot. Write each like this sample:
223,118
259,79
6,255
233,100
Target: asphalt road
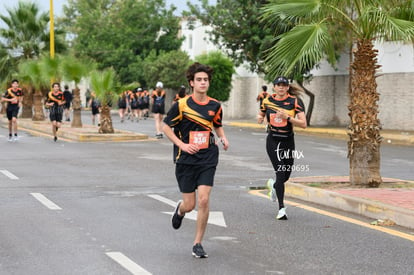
104,208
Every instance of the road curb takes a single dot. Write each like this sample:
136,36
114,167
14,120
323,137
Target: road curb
364,207
87,133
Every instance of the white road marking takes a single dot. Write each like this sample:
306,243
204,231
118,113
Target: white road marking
127,263
163,199
9,174
45,201
215,217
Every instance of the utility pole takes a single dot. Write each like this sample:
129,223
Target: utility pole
52,31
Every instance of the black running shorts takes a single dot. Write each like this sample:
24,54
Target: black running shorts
12,111
189,177
158,109
56,113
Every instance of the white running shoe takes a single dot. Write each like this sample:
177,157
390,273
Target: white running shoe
272,191
10,139
282,214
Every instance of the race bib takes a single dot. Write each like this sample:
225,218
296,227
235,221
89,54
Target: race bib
200,138
277,121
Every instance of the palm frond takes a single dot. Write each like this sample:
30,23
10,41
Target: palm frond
376,22
31,72
50,68
103,84
289,9
398,29
73,69
300,49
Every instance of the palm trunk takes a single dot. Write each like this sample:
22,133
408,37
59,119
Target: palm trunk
27,110
106,121
309,110
77,109
3,108
365,138
38,115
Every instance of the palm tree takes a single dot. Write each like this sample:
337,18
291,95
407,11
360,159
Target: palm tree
25,36
103,84
74,70
31,75
319,24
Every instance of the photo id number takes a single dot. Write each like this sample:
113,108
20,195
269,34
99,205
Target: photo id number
292,168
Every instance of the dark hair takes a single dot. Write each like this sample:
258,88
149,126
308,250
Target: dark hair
56,83
295,90
197,68
14,80
181,93
66,87
264,88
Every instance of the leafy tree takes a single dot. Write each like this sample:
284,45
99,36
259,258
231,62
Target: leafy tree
220,86
237,29
123,33
168,67
26,36
320,23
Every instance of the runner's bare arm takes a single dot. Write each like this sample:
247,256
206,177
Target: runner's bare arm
222,136
299,120
260,117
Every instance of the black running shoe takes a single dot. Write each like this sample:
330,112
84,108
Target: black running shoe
55,139
177,219
198,251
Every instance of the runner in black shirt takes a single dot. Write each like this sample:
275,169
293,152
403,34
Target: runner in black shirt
55,101
195,150
282,110
14,98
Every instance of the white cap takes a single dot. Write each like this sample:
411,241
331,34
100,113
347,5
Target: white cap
159,84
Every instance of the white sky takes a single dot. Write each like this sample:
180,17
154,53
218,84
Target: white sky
58,4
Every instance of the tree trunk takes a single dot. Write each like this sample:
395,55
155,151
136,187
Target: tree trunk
3,107
311,102
27,110
106,121
364,128
38,115
77,109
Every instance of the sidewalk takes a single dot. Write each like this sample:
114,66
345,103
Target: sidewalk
88,133
394,204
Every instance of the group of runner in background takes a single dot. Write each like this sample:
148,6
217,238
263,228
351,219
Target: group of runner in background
133,105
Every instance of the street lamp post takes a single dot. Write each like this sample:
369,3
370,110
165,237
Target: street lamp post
52,31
